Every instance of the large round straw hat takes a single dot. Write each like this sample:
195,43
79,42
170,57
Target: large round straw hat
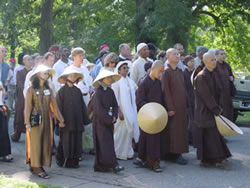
67,71
103,74
226,127
122,63
42,68
152,118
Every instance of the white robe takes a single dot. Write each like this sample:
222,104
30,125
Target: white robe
127,129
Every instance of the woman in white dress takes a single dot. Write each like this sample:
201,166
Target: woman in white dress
126,127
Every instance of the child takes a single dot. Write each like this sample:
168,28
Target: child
189,62
150,90
70,102
105,111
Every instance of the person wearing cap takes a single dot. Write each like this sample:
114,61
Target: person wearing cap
211,148
200,51
138,71
4,68
174,91
103,47
54,49
125,52
126,127
226,78
104,108
5,145
11,87
150,90
19,126
40,104
73,109
189,63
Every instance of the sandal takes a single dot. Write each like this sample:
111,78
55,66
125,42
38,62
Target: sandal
43,175
157,168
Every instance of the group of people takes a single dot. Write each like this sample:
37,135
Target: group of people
95,106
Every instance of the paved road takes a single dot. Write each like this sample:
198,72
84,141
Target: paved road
190,176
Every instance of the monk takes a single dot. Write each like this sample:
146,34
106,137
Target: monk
19,126
150,90
105,111
226,78
175,141
211,148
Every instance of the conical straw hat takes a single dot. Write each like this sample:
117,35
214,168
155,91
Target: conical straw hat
42,68
67,71
226,127
152,118
103,74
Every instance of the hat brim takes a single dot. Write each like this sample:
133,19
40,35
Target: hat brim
104,74
122,63
152,118
51,71
62,80
226,127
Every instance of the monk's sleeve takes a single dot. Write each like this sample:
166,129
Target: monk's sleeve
167,95
116,89
28,106
204,93
18,80
115,105
54,108
101,112
141,96
59,100
85,116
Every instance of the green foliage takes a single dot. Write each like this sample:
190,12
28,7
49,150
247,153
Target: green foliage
89,24
13,183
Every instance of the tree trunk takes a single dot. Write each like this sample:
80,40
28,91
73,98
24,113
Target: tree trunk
46,30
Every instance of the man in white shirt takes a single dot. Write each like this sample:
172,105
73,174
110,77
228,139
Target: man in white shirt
138,70
60,65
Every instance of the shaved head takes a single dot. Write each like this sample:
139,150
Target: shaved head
209,61
173,56
170,50
157,63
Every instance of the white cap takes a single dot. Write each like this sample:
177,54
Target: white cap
140,46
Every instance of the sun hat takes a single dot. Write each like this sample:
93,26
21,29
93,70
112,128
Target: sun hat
122,63
68,71
42,68
152,118
103,74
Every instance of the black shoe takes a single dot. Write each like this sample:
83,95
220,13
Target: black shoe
15,137
181,161
60,164
118,168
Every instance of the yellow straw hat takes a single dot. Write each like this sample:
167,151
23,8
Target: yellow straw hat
103,74
226,127
67,71
42,68
152,118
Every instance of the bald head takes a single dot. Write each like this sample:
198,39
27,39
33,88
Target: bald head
209,61
173,56
157,69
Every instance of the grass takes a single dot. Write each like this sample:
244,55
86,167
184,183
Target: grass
6,182
245,119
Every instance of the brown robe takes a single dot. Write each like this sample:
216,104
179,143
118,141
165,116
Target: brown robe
175,99
224,71
19,125
105,107
74,111
149,144
39,140
190,108
210,144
